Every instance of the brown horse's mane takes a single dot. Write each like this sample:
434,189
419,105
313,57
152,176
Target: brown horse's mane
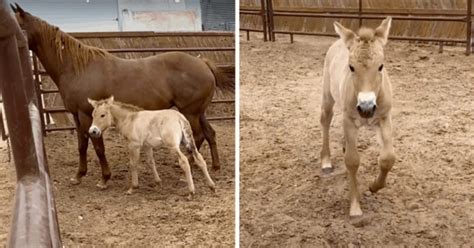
64,44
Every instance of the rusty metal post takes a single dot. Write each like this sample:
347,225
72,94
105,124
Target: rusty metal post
469,28
271,24
264,19
34,221
360,13
248,35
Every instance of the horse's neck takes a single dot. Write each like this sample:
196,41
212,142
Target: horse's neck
120,116
50,60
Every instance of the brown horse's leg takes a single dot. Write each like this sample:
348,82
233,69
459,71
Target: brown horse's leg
85,122
387,155
198,134
210,136
352,160
100,152
83,143
325,120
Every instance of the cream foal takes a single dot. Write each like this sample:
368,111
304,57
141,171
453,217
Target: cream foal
354,76
148,129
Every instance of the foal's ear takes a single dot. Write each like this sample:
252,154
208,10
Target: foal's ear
346,34
109,100
92,102
381,32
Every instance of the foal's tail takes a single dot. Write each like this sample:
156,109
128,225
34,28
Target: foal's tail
188,140
223,82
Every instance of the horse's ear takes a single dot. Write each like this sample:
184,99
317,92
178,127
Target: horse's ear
92,102
20,10
346,34
13,8
110,99
381,32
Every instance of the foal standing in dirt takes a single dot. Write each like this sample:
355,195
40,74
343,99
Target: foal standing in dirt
354,76
148,129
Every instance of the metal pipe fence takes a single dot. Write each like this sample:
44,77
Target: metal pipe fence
363,14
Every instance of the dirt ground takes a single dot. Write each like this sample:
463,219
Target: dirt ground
429,198
152,216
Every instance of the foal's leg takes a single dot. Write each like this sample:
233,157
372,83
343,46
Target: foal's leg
150,160
387,155
210,135
134,161
352,160
184,163
326,117
202,165
83,143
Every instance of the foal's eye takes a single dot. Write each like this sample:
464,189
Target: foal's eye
351,68
102,115
381,67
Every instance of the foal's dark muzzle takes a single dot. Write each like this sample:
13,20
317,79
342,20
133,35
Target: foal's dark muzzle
366,109
94,132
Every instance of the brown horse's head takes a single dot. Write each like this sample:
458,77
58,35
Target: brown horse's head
101,116
366,63
27,23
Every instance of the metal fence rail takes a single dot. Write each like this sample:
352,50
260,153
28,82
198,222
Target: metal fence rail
259,12
34,221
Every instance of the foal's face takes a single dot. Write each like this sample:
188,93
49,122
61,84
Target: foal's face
101,117
366,64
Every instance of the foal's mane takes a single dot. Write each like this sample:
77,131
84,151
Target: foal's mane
64,44
122,105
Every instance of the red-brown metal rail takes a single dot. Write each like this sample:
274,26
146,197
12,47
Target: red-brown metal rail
375,15
34,219
260,12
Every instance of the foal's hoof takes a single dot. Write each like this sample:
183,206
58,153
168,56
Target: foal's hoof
327,170
374,187
129,191
75,180
190,196
213,189
101,185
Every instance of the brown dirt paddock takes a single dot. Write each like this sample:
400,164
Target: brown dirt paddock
429,198
151,217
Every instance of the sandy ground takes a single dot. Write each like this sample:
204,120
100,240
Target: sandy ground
429,199
151,217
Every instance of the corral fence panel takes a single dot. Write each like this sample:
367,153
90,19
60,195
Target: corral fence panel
443,21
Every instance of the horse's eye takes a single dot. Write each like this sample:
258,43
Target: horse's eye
102,115
351,68
381,67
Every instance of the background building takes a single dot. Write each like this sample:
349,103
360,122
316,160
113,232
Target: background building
130,15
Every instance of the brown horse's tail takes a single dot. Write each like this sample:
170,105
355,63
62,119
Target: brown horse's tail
223,82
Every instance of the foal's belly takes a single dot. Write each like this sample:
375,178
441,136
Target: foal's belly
153,141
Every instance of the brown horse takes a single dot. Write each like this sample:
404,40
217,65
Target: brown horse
157,82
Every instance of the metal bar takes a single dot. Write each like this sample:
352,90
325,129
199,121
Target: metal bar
251,29
264,19
391,37
271,24
81,35
371,17
248,35
49,91
249,12
38,92
420,12
177,49
2,127
360,13
224,101
34,220
220,118
55,109
469,28
52,129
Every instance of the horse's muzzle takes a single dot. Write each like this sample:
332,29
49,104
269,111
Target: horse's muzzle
366,109
94,132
